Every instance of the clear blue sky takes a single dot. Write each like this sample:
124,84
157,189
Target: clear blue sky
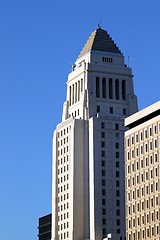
39,40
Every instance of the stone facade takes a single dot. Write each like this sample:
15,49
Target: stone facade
142,154
88,199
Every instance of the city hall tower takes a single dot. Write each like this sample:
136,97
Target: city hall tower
88,199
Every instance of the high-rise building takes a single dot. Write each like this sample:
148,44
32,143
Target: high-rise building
88,200
142,147
44,228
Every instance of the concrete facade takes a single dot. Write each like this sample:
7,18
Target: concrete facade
142,154
88,199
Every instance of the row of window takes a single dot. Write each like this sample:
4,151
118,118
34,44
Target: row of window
63,207
62,142
149,217
143,177
149,189
63,132
63,160
143,134
63,226
116,126
111,110
64,235
107,59
143,205
63,216
142,163
105,88
75,92
146,233
142,149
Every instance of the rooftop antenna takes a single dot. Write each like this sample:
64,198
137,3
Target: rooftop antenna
100,23
128,61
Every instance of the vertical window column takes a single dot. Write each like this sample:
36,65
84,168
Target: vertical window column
97,87
82,85
117,89
123,90
104,87
73,94
110,87
70,90
78,90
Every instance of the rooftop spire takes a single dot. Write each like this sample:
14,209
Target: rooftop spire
100,40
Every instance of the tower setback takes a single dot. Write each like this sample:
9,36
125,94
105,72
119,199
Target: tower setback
88,200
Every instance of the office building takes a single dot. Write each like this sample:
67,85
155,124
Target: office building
142,151
88,200
45,227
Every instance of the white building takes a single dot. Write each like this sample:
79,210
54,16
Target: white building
88,159
142,144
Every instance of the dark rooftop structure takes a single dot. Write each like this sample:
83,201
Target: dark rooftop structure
44,229
100,40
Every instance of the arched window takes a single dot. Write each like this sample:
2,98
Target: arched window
110,88
97,87
103,87
123,89
117,89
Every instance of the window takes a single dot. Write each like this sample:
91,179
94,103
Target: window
103,182
118,212
117,183
117,145
103,163
118,222
103,221
97,87
124,111
103,211
98,109
110,89
103,192
117,136
117,193
103,144
118,231
103,87
117,154
117,164
117,173
117,89
103,201
111,109
116,126
117,202
103,153
102,125
123,90
102,134
104,232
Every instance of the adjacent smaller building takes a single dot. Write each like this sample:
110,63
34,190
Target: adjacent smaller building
44,229
142,166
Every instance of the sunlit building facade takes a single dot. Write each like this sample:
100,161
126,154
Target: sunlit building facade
142,151
88,196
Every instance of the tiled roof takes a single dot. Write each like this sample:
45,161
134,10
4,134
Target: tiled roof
100,40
